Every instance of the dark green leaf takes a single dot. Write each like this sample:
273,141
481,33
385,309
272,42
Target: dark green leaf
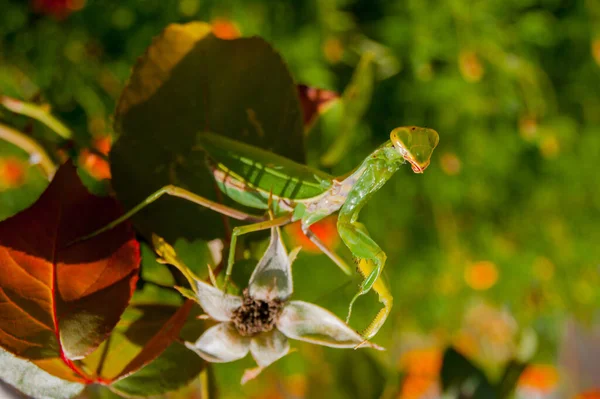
509,379
190,81
458,374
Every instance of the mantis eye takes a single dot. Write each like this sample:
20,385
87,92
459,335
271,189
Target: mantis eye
415,144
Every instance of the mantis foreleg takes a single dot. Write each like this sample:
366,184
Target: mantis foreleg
371,258
366,268
280,221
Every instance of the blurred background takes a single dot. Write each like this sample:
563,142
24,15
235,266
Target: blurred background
493,250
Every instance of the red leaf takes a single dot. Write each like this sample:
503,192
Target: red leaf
58,300
313,101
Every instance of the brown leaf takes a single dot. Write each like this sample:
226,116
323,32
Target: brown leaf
60,301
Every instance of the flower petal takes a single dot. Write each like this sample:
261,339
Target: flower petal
220,344
215,302
308,322
272,278
250,374
269,347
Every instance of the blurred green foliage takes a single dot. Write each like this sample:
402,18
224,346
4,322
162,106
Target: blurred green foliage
508,213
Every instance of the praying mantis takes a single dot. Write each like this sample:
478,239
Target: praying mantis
260,179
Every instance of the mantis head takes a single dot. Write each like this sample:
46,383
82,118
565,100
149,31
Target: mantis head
415,144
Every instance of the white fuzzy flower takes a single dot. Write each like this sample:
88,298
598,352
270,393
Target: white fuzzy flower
263,319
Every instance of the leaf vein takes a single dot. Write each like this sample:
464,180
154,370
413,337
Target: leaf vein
20,339
24,311
20,266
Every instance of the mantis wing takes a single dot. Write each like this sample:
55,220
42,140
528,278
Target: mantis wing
263,170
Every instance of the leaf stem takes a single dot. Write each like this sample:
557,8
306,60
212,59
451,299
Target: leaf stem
38,113
37,154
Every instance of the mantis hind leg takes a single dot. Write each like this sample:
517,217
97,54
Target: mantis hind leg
371,260
174,191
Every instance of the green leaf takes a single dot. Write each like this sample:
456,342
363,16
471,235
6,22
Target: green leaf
153,294
23,192
33,381
189,81
175,368
459,374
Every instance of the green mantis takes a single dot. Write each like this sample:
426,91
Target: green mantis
260,179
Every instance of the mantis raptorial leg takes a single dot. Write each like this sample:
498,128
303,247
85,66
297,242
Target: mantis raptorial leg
370,257
366,267
370,264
